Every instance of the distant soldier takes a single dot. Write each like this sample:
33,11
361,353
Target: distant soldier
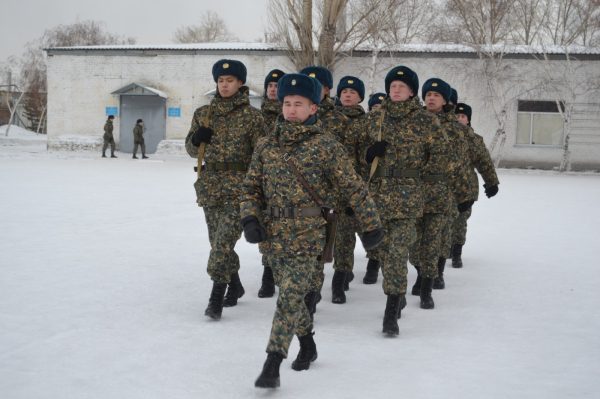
482,162
287,188
138,139
396,147
271,109
224,132
350,92
375,101
335,123
108,137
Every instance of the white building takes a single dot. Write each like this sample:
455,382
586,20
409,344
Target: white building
165,84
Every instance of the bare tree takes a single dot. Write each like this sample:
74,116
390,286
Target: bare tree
212,28
483,21
529,17
32,79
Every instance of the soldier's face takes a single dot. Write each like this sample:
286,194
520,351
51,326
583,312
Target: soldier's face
297,108
272,91
228,85
349,97
462,118
399,91
376,106
434,101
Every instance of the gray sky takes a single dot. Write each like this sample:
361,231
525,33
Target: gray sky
147,21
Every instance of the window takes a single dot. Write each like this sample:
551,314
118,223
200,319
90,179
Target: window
540,123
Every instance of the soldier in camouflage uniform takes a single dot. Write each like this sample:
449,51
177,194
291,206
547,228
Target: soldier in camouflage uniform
481,161
108,137
280,210
335,123
138,139
437,177
271,109
375,101
350,92
228,129
396,147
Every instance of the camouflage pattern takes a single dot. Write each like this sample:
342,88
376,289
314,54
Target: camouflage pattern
335,123
459,228
108,137
480,160
446,241
270,111
236,128
270,183
224,231
409,130
425,251
292,275
400,234
138,134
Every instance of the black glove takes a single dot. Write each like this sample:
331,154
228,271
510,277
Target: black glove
349,211
490,191
202,135
372,239
253,231
376,150
465,206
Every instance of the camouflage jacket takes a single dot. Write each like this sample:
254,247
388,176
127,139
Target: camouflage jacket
138,134
408,130
270,183
270,110
236,126
335,123
108,130
480,160
356,123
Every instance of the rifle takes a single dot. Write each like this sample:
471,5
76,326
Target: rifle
202,149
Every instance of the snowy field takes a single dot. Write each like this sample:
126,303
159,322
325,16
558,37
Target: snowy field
103,288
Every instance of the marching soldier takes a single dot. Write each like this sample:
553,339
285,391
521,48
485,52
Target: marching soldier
271,109
482,162
224,133
108,137
396,148
285,197
138,139
375,101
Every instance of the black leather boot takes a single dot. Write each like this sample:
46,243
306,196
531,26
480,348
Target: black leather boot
267,289
426,299
456,256
215,302
372,272
416,289
269,377
348,280
310,300
235,290
438,282
337,287
390,317
401,306
307,353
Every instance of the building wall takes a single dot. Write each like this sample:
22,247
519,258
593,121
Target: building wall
79,87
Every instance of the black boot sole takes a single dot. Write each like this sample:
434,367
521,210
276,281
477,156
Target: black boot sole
267,383
439,284
300,365
427,305
266,292
339,299
212,315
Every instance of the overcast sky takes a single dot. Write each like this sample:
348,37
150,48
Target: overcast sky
147,21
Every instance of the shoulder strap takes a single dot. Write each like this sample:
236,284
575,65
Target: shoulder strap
379,137
313,194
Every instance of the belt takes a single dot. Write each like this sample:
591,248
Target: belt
224,167
434,178
397,172
293,212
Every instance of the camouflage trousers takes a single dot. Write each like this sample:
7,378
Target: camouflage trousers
399,236
425,251
446,243
293,276
143,147
318,277
459,228
224,230
345,241
106,143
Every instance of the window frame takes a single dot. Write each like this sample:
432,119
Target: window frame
531,114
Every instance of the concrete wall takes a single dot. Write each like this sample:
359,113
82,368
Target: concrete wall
79,87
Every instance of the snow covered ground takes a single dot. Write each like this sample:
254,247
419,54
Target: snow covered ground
103,289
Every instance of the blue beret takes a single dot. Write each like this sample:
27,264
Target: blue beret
375,99
273,76
229,67
437,85
320,73
298,84
462,108
351,82
404,74
454,96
